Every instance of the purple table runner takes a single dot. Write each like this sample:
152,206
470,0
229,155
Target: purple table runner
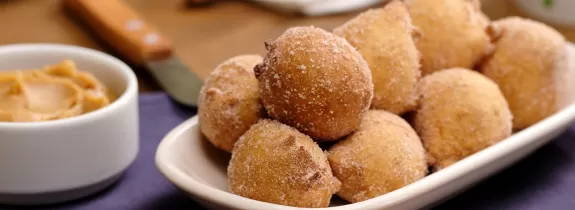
544,180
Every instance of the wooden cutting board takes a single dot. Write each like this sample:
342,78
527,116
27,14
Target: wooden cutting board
203,37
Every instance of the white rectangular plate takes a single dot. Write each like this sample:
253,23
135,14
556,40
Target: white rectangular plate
195,166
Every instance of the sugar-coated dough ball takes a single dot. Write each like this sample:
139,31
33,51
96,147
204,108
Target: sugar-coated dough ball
383,155
530,66
385,39
452,33
229,101
316,82
275,163
460,112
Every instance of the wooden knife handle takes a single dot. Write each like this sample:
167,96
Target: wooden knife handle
123,29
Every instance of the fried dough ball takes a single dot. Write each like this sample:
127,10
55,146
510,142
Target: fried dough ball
530,66
460,112
383,155
385,39
453,33
316,82
275,163
229,101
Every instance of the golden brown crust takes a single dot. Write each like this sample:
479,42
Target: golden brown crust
385,39
460,112
229,101
530,66
453,33
316,82
383,155
275,163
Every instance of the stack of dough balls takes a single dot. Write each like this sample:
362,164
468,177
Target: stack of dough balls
462,82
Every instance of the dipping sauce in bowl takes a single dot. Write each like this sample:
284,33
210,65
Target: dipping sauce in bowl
52,92
68,122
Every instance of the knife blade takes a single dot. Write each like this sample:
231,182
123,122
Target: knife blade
139,43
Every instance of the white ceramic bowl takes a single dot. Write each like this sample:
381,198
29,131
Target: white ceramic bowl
559,12
192,164
60,160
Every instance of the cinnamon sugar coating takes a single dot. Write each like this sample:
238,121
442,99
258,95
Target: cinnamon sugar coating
275,163
530,66
383,155
385,39
460,112
316,82
452,33
229,101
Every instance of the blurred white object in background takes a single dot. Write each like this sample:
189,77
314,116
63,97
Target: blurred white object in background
317,7
558,12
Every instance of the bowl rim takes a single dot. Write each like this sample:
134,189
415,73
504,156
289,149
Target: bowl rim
129,77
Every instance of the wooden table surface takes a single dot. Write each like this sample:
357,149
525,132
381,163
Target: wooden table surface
203,37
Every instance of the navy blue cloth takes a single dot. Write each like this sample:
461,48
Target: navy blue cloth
544,180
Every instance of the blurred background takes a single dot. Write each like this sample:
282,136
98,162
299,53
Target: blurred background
204,32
